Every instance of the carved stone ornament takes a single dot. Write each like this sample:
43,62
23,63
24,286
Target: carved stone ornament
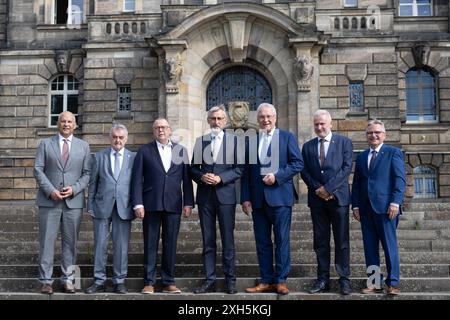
174,69
62,60
238,112
303,71
421,53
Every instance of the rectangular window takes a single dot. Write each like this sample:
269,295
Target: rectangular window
351,3
129,5
68,12
356,96
124,101
411,8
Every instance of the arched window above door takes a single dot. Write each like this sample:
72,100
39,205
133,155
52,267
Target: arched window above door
238,83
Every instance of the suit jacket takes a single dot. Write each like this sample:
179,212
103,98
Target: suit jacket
333,176
290,163
384,184
51,175
156,189
226,167
104,190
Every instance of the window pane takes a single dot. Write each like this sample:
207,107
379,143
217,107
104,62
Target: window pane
54,120
412,101
129,5
424,10
423,1
56,104
406,10
351,3
412,117
72,103
406,1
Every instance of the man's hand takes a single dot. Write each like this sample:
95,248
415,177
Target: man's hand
211,179
66,192
139,213
187,211
269,179
323,193
392,212
56,196
356,214
247,207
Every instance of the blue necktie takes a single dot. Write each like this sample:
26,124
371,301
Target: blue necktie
116,165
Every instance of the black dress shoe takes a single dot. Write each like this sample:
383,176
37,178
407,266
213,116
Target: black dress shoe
345,287
95,288
120,288
206,287
230,288
319,287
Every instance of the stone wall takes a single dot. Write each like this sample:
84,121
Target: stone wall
16,178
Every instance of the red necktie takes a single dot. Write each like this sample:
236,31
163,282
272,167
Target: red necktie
322,152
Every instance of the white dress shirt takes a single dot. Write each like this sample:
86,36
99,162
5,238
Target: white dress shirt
216,144
165,152
265,135
326,145
377,149
112,156
61,142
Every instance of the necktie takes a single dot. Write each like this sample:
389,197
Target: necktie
116,165
264,148
215,147
372,160
65,152
322,152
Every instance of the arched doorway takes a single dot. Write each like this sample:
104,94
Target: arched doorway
238,83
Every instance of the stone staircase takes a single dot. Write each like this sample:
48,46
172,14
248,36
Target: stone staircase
424,240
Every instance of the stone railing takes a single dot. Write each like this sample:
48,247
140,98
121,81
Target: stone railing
122,27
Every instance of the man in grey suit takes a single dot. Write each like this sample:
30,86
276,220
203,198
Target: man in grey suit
61,169
109,204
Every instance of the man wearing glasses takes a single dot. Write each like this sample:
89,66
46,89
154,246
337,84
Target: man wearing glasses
379,184
215,170
161,190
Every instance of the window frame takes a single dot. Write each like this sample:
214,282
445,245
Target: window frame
419,88
65,93
124,9
123,113
350,5
425,177
69,21
415,7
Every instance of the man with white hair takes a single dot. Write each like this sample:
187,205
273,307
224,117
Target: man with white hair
328,164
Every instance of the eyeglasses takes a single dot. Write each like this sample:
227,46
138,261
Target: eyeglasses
377,133
216,118
161,128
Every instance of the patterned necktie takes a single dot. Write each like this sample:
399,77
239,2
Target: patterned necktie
372,160
65,152
322,152
116,165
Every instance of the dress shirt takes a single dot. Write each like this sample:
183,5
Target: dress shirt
165,152
61,142
112,156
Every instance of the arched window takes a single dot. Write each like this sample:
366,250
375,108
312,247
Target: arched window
238,84
424,182
63,97
420,96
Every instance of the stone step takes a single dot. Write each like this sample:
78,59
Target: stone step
188,284
242,258
249,270
194,226
355,235
177,301
241,246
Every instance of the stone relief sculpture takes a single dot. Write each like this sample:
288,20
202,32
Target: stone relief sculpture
421,53
238,112
62,61
173,69
303,71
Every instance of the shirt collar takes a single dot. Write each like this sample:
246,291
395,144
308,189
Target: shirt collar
121,151
219,135
61,138
160,145
327,137
377,149
270,133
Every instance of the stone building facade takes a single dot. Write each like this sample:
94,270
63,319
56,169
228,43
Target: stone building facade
134,60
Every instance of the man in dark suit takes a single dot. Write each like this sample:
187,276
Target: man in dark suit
109,204
215,170
379,185
268,194
161,191
328,164
62,167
